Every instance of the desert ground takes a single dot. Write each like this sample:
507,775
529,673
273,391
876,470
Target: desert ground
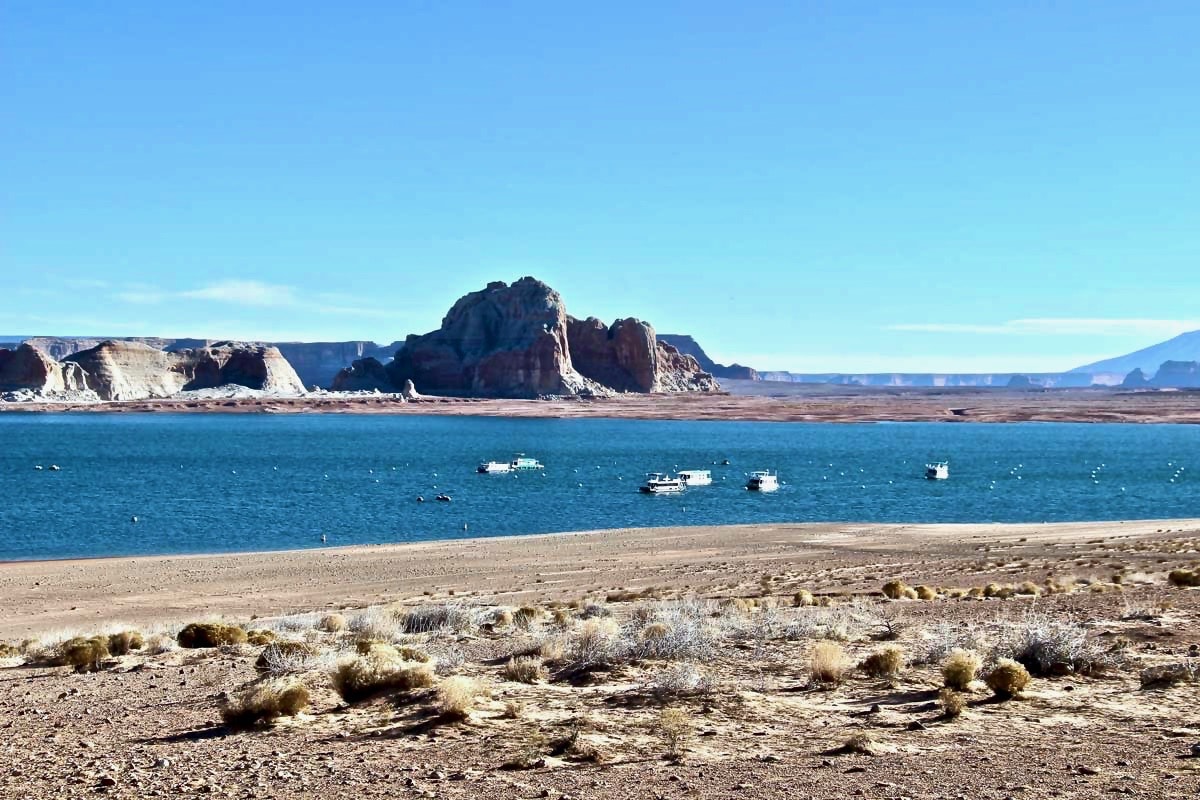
771,403
741,662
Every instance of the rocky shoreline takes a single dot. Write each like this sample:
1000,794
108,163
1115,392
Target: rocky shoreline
818,404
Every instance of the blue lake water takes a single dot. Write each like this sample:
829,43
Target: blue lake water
209,483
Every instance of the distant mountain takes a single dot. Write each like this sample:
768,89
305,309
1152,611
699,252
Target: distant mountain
1000,380
1184,347
690,347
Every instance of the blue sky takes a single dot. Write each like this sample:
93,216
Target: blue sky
807,186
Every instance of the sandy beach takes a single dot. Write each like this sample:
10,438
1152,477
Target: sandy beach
703,561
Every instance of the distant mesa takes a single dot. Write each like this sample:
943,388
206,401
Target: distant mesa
690,347
519,342
1182,348
126,370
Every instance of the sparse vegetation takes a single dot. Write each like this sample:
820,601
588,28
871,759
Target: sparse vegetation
952,703
1184,578
675,728
266,702
897,590
281,657
960,669
1007,678
1047,646
926,593
803,598
1163,676
827,663
525,669
380,669
886,662
123,643
332,623
83,653
210,634
860,743
456,696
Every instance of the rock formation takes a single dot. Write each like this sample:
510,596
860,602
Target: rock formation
518,341
27,367
1177,375
122,370
628,357
690,347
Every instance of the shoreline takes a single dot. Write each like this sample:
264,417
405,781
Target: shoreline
83,594
801,403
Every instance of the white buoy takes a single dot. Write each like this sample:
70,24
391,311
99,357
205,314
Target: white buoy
133,518
323,538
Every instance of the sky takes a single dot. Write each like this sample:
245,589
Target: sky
810,186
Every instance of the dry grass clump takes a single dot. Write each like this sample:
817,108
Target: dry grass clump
501,618
952,703
9,651
210,634
655,630
260,637
827,663
1047,646
1163,676
428,619
960,669
1007,678
266,702
525,616
123,643
926,593
886,662
679,680
1184,578
456,696
84,653
380,669
525,669
561,616
734,605
861,743
675,728
1028,588
287,656
513,709
332,623
898,590
804,598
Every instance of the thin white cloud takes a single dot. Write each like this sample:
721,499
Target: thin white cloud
1059,326
254,294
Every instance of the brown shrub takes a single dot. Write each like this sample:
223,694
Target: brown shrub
456,696
827,663
675,728
926,593
380,669
1183,578
527,615
332,623
960,669
502,618
266,702
210,634
953,703
561,616
1007,678
861,743
886,662
125,642
260,638
895,590
513,709
85,654
655,630
525,669
1028,588
804,598
278,653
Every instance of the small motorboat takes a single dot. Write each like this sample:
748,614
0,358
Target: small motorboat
762,481
695,477
661,483
937,470
494,467
443,498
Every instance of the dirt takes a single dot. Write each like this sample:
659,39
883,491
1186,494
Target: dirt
150,725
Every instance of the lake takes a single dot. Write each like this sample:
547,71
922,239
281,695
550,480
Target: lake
239,482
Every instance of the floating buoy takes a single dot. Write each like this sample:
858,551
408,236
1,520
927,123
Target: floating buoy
55,467
464,526
444,498
323,538
420,499
38,467
133,518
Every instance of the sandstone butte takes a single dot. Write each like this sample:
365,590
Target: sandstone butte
518,342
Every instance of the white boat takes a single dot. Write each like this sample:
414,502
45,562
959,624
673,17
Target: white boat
695,477
492,467
661,483
762,481
521,462
937,470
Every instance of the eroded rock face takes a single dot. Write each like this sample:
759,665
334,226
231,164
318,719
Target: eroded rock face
27,367
364,375
518,341
690,347
503,341
120,370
